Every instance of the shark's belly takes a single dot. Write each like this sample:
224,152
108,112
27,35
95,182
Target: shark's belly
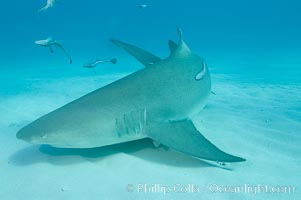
101,128
126,126
127,120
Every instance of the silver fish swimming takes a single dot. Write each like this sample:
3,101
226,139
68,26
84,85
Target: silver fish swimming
97,62
158,102
49,42
49,4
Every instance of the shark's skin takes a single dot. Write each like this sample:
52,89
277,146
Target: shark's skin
158,101
49,42
49,4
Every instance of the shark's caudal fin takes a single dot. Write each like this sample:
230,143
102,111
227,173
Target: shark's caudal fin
141,55
184,137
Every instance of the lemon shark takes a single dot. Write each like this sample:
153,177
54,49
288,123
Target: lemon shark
157,102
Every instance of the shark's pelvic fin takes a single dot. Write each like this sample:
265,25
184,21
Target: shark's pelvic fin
184,137
146,58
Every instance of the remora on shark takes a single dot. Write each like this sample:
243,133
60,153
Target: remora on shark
158,102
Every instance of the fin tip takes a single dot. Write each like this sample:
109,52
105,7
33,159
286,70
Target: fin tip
179,30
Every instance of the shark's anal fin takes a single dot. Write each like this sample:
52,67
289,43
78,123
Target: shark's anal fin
146,58
184,137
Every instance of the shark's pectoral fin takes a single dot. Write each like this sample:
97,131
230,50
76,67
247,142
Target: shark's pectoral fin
146,58
184,137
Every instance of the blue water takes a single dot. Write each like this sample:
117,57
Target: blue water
244,35
252,47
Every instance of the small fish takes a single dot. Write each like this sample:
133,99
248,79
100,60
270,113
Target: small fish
92,65
142,6
49,42
49,4
202,73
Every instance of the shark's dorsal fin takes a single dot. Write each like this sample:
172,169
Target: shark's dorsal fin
172,46
146,58
49,39
182,49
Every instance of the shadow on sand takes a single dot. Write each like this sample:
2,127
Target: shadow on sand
142,149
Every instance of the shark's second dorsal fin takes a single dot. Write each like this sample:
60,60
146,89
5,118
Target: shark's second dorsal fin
172,46
146,58
182,49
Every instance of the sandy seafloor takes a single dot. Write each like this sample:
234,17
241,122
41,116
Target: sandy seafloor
257,121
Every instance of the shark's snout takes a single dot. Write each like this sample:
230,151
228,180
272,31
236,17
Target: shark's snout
22,134
19,135
27,136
